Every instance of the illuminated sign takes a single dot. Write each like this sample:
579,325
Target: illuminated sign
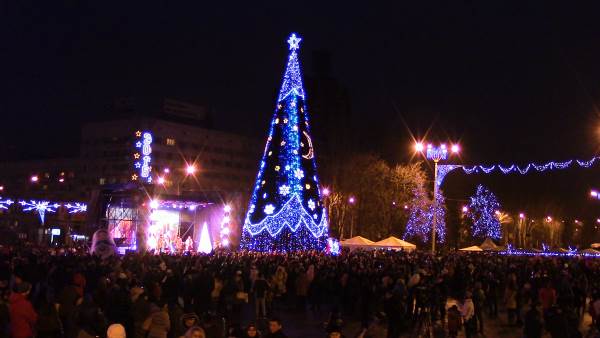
142,156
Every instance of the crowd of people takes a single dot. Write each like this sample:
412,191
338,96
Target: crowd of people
69,293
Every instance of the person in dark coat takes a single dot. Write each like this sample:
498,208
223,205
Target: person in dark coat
533,322
22,315
275,329
90,321
454,321
48,324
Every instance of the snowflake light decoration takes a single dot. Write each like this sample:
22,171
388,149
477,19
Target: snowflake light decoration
299,173
269,208
284,190
41,207
76,207
4,204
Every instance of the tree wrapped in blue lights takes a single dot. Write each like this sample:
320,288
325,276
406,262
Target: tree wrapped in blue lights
482,211
286,210
420,219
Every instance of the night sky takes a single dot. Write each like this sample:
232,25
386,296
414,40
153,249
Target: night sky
513,81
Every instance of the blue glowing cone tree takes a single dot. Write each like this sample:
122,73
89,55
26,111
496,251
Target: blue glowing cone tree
286,211
482,211
420,219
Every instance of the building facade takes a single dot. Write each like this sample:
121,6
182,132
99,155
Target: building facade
164,156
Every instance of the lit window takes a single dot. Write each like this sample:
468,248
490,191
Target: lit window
170,141
102,181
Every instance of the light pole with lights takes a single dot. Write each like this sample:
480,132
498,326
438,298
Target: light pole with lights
436,154
351,201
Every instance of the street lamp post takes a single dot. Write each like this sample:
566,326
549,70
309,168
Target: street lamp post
436,154
351,200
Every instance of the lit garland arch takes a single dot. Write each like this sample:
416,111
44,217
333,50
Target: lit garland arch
445,169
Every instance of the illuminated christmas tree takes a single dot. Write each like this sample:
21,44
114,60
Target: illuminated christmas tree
482,210
420,218
286,210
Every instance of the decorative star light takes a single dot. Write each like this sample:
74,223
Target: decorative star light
136,156
134,177
269,208
41,207
76,207
284,190
4,204
311,204
299,173
294,41
251,210
137,165
138,144
138,133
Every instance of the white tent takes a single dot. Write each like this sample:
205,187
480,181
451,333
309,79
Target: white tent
471,249
395,244
488,244
357,242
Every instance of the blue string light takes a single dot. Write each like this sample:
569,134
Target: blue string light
538,167
482,210
286,212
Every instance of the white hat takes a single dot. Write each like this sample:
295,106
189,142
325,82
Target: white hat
116,331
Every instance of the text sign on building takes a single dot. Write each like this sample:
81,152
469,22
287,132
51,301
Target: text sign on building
143,156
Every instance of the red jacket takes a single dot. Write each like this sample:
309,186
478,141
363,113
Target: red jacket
22,316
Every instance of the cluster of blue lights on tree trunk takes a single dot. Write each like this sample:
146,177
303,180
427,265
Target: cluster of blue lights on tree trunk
482,210
142,156
286,212
420,220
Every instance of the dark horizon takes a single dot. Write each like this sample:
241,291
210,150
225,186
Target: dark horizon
513,82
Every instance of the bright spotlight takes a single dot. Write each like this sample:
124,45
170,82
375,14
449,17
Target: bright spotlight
419,146
154,204
191,169
455,148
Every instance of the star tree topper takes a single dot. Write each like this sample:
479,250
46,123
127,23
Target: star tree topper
294,42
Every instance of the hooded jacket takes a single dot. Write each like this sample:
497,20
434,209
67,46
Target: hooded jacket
22,316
